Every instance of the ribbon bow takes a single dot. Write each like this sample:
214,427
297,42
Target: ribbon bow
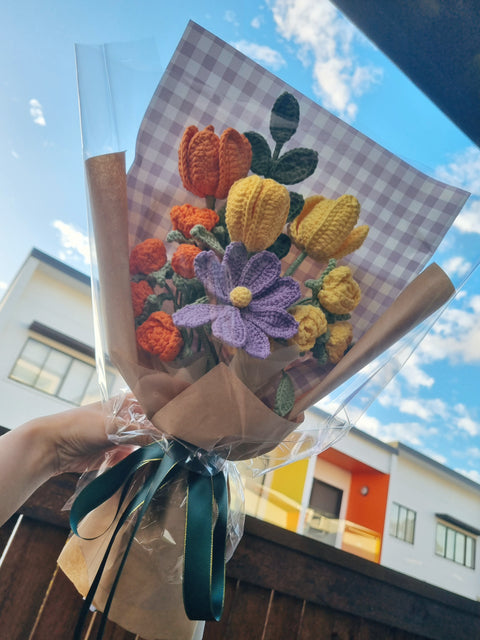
205,526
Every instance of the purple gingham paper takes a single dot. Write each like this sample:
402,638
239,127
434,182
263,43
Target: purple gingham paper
210,82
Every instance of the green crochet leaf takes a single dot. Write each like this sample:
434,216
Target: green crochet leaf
177,236
284,118
159,277
294,166
281,246
261,154
206,238
296,205
319,351
285,396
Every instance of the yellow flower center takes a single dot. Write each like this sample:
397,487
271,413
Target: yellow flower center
240,297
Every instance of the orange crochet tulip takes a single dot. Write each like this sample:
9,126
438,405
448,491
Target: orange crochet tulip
209,165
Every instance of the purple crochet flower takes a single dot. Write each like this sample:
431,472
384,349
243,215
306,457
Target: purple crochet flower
251,299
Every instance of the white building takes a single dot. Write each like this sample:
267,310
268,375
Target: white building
46,338
385,502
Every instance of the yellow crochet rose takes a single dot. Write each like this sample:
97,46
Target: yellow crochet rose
256,211
340,293
311,325
325,228
341,336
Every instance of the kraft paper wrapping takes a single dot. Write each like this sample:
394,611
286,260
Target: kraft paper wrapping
212,411
148,600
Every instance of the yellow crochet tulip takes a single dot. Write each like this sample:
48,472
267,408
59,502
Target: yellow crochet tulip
311,325
341,336
325,228
256,211
340,293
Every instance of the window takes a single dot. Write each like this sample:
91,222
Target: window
55,372
402,523
455,545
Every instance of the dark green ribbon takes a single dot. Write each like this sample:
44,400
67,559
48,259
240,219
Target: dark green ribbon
205,527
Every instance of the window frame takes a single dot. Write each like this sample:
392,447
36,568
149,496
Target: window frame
395,531
448,551
53,347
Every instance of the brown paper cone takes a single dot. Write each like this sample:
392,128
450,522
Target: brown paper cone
148,600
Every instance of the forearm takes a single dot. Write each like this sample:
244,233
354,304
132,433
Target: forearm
26,462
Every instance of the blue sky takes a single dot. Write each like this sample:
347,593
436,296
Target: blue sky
432,405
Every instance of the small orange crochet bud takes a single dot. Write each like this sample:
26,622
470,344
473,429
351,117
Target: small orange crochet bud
256,212
209,165
150,255
159,336
140,292
186,216
183,260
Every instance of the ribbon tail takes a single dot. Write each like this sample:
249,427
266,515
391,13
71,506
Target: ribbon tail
205,542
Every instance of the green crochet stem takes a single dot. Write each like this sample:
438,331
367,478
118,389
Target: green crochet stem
297,262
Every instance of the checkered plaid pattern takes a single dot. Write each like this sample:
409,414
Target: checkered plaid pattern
209,82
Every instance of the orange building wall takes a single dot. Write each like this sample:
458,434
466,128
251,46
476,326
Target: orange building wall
368,511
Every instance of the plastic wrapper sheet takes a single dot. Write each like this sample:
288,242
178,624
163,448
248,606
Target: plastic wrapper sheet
217,399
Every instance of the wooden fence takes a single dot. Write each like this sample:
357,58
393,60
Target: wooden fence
280,586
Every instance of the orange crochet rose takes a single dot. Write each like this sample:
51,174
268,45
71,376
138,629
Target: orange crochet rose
158,335
140,292
183,259
150,255
209,165
186,216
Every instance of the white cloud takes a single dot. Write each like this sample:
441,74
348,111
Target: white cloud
261,53
3,285
325,40
464,421
457,266
410,433
468,220
463,170
256,22
14,154
231,16
74,242
36,112
473,474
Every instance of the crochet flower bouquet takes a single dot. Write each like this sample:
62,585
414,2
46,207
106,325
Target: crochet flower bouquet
258,254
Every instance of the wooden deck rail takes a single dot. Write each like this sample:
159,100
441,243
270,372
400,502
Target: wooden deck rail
281,586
